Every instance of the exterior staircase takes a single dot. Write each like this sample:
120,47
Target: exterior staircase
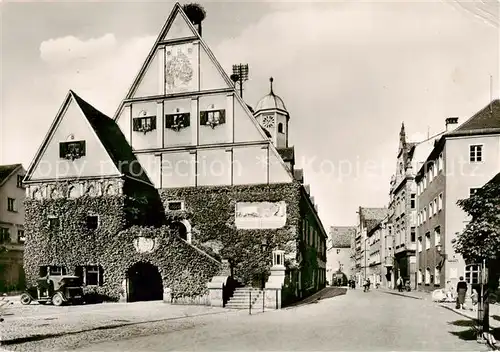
241,298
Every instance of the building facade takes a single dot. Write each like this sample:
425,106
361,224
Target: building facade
367,218
12,194
339,251
188,176
462,160
403,205
378,237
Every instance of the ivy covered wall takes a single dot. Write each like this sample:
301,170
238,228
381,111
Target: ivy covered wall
122,218
211,213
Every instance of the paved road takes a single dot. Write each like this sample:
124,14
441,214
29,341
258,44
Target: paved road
358,321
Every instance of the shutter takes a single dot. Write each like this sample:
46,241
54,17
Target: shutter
63,147
153,122
203,117
82,148
137,124
186,119
169,121
222,116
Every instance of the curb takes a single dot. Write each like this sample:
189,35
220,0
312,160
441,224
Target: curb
487,341
401,294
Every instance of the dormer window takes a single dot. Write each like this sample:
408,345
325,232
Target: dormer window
144,123
72,150
280,128
212,118
177,121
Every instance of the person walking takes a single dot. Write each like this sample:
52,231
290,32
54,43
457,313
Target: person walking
461,292
399,283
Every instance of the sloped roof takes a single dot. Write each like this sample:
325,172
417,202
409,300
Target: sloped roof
287,154
6,171
340,236
372,224
486,118
373,213
113,140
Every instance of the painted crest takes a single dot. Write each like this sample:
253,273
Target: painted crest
263,215
144,244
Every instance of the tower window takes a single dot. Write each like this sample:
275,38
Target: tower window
280,128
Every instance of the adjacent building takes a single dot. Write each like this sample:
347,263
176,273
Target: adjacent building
403,206
377,237
339,251
462,160
12,194
367,218
149,203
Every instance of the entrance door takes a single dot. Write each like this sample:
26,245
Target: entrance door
144,283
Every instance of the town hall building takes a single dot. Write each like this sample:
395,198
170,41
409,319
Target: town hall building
185,186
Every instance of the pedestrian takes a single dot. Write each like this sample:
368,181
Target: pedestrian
399,283
461,292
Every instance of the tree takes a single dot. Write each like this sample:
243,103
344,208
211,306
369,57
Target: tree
480,240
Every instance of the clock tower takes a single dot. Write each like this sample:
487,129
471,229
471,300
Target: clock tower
272,115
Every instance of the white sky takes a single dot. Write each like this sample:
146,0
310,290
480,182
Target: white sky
349,73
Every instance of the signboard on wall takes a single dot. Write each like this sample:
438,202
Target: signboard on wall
262,215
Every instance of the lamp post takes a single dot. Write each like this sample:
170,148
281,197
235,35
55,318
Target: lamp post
263,249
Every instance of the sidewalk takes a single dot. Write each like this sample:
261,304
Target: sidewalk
412,294
472,314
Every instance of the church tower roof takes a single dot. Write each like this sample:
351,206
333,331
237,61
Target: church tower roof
270,101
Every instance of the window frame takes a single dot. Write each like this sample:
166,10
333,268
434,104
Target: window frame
20,179
11,205
427,240
480,149
5,235
97,224
440,202
68,151
413,201
21,237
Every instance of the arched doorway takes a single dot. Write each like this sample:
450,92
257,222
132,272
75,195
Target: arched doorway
180,229
144,283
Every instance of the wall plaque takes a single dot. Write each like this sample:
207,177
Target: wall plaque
144,244
263,215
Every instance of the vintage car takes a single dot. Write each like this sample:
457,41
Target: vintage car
55,289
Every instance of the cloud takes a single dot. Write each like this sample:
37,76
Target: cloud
69,48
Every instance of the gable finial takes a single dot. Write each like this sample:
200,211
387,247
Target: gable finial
271,83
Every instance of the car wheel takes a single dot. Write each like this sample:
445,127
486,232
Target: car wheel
57,300
25,299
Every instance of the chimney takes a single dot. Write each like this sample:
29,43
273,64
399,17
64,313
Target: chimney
451,123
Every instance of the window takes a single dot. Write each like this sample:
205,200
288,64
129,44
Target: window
425,181
431,209
420,244
427,276
338,251
412,235
212,117
437,276
20,236
425,214
4,235
53,223
92,222
440,162
20,181
91,275
57,270
434,206
280,128
11,204
420,276
472,192
144,123
476,153
437,236
440,201
413,201
177,121
175,205
427,240
72,150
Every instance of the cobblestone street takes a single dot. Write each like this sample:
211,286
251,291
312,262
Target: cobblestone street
354,322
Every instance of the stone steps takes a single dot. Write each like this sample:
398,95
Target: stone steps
241,298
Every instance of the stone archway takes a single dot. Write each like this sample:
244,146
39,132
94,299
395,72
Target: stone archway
144,283
183,229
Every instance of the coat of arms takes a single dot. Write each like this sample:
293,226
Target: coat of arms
179,70
144,244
